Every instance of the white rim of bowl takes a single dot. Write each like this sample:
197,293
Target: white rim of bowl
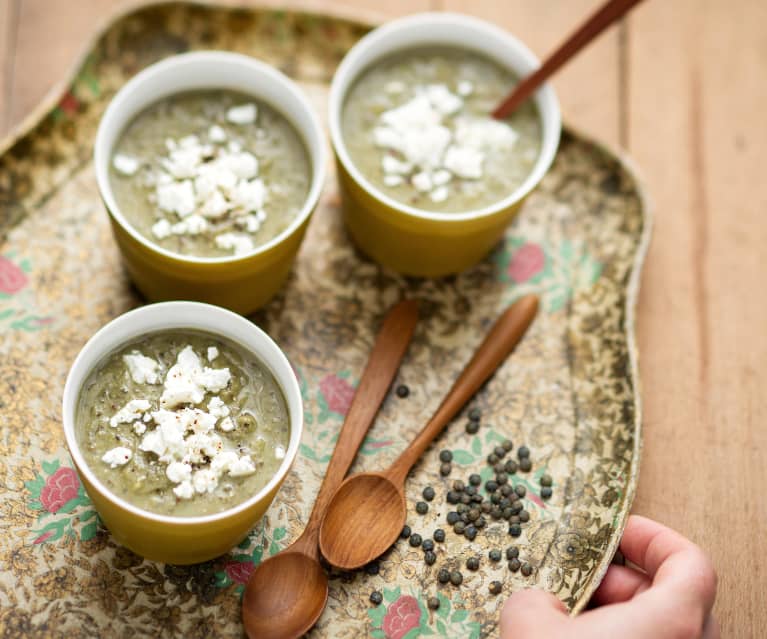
343,80
96,351
102,156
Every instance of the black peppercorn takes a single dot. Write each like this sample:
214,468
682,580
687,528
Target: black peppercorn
470,533
405,532
458,486
514,564
445,456
402,391
373,568
429,558
523,451
475,414
472,428
415,540
445,469
525,465
520,490
495,587
545,492
428,493
470,490
496,512
495,555
500,451
453,497
524,516
527,569
507,444
501,479
376,598
433,603
456,578
475,480
462,508
491,486
443,576
465,498
452,517
512,552
499,468
546,480
492,459
422,508
472,563
459,527
507,489
480,523
511,466
439,535
428,544
515,530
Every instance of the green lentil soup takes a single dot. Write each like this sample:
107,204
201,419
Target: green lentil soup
417,125
210,174
182,423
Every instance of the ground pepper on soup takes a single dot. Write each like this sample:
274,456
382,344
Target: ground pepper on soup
182,423
418,126
210,173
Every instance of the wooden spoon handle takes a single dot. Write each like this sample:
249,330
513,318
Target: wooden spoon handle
389,349
603,18
500,341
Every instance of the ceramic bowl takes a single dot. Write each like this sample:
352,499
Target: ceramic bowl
180,540
404,238
241,283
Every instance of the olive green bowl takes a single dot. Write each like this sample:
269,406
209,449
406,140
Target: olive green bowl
402,237
180,540
241,283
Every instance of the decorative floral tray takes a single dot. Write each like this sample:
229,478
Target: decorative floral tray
570,391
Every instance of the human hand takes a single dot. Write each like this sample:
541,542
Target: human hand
671,599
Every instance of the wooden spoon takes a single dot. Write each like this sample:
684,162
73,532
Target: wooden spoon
367,513
603,18
287,593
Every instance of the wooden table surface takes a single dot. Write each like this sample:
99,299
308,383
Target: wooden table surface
680,86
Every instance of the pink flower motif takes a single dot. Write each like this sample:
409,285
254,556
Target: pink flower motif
69,103
403,615
43,537
60,488
239,571
12,278
526,263
338,393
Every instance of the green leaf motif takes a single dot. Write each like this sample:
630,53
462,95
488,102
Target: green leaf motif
279,533
376,615
441,628
476,445
89,531
378,634
459,616
417,632
274,548
51,467
462,457
391,594
475,628
444,605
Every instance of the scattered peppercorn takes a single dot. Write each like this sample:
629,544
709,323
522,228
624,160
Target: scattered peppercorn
403,391
495,555
456,578
373,568
405,532
514,564
429,558
458,486
523,451
428,493
527,569
433,603
462,508
545,492
499,468
473,514
477,499
443,576
439,535
445,469
524,516
500,452
445,456
495,498
453,497
515,530
472,428
470,490
465,498
415,540
470,533
496,512
422,507
512,519
428,544
507,444
510,466
376,598
525,465
520,490
512,552
485,506
472,563
501,479
546,480
496,587
480,523
459,527
452,517
507,489
492,459
491,486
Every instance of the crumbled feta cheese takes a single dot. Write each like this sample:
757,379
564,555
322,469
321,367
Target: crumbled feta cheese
147,417
215,206
184,490
212,353
140,427
176,197
464,162
279,452
241,244
204,481
242,466
227,424
465,88
125,164
444,100
178,472
132,411
390,164
187,380
217,407
118,456
243,164
439,194
142,369
422,181
441,177
162,229
393,180
216,134
242,114
249,195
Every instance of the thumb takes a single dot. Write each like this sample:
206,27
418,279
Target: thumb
532,613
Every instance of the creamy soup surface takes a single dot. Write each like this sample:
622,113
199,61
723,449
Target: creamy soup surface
182,423
417,126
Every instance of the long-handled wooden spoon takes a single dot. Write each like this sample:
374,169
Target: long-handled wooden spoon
367,513
286,594
603,18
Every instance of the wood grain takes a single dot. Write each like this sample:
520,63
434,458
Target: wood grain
680,84
699,136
